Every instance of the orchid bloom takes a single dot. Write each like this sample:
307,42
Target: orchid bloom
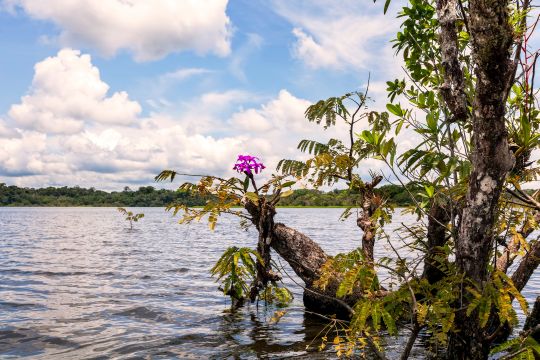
248,164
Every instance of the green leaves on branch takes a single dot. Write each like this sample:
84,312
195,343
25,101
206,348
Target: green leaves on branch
334,160
417,40
226,195
524,347
166,175
327,111
382,148
235,269
357,275
498,294
280,296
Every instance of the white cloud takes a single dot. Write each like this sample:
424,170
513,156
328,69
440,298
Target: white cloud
112,156
285,113
66,92
67,126
39,145
150,29
339,35
6,131
316,55
241,55
183,74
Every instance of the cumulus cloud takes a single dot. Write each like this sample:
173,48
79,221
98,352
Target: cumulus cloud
284,113
150,29
338,35
66,92
66,132
67,125
112,156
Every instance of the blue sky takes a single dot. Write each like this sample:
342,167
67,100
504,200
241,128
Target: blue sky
108,93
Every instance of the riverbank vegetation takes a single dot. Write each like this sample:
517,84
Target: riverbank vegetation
148,196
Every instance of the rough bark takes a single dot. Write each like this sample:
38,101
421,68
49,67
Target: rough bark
306,258
492,39
532,323
527,266
370,203
304,255
436,238
452,90
265,225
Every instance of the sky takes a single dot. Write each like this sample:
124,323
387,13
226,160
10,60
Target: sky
108,93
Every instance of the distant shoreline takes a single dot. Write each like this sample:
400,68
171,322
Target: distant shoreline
148,196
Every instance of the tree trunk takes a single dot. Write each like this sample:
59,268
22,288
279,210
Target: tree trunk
436,238
492,39
370,203
532,323
265,225
452,90
306,258
527,266
304,255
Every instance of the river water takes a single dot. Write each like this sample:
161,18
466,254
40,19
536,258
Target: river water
77,283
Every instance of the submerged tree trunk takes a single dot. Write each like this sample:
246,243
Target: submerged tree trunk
370,203
265,224
306,258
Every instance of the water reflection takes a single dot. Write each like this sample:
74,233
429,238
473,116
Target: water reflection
76,283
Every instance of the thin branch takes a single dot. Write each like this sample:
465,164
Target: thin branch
412,339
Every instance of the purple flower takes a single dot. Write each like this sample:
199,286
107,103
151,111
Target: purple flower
248,164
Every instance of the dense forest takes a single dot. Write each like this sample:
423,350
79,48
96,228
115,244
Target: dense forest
149,196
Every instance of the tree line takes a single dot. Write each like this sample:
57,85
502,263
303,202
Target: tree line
148,196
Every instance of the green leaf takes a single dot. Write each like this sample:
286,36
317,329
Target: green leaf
287,193
288,183
386,5
431,122
395,109
399,126
246,183
430,190
367,137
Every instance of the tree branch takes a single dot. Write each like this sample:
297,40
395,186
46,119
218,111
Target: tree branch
452,90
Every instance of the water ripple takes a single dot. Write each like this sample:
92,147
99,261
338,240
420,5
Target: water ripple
77,283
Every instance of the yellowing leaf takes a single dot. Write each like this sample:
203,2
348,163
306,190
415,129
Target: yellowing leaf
287,193
252,196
